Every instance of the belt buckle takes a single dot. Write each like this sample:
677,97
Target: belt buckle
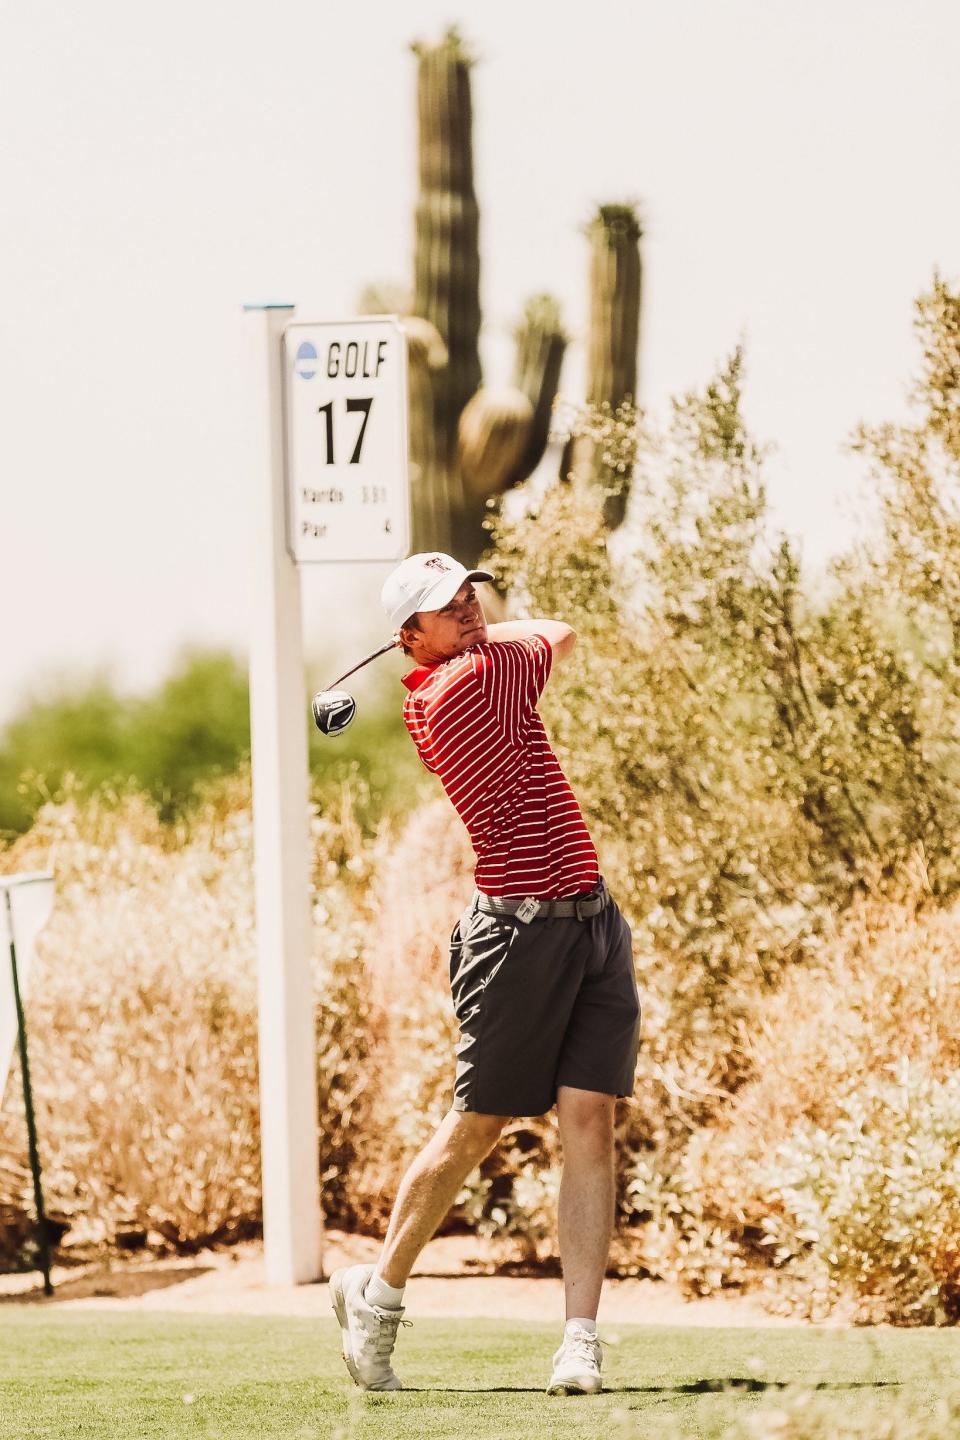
527,909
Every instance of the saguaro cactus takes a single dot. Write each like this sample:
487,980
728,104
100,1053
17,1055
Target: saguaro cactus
447,252
467,443
615,284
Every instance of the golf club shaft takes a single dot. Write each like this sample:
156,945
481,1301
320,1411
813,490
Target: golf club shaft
390,645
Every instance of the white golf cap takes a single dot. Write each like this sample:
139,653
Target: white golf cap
424,582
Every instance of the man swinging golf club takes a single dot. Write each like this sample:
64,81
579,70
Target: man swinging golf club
541,964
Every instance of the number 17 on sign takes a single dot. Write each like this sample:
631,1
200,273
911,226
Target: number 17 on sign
345,404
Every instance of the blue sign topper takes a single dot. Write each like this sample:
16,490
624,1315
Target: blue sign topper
305,361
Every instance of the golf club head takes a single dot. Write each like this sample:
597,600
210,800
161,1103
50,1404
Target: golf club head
333,710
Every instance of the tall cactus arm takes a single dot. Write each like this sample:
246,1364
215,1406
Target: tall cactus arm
503,433
541,343
614,305
615,292
494,435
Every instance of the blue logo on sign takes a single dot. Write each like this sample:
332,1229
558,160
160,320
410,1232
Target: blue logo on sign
305,363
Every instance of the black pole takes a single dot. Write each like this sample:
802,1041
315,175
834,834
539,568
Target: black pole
43,1240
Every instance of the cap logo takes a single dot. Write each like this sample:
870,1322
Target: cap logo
436,562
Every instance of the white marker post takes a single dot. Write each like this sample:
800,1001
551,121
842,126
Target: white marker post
328,439
292,1220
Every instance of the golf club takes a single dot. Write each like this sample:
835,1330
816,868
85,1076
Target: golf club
334,709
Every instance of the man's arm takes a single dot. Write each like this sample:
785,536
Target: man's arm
560,637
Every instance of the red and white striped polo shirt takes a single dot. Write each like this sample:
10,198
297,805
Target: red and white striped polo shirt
474,722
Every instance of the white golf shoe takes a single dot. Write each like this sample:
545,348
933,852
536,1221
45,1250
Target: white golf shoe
368,1332
576,1365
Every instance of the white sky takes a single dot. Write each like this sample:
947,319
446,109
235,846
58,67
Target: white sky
160,167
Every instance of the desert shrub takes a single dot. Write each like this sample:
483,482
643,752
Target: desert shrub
511,1198
837,1157
870,1209
142,1020
669,1228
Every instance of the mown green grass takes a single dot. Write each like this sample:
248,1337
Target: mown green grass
110,1377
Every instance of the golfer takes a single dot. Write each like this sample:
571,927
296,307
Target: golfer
541,965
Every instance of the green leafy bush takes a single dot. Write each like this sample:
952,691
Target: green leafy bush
192,728
195,725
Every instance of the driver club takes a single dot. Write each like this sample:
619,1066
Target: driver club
334,709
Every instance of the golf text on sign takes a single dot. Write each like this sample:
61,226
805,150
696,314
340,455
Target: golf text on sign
345,398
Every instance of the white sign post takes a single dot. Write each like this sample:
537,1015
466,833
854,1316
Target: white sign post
328,449
292,1224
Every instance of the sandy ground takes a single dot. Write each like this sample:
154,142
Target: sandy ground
452,1277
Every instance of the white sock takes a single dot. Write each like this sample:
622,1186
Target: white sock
378,1292
583,1323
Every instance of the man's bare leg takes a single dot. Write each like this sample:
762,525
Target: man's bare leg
587,1195
431,1185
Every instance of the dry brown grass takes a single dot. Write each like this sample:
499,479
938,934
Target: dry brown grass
142,1022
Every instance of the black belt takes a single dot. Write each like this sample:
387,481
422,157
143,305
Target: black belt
527,908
